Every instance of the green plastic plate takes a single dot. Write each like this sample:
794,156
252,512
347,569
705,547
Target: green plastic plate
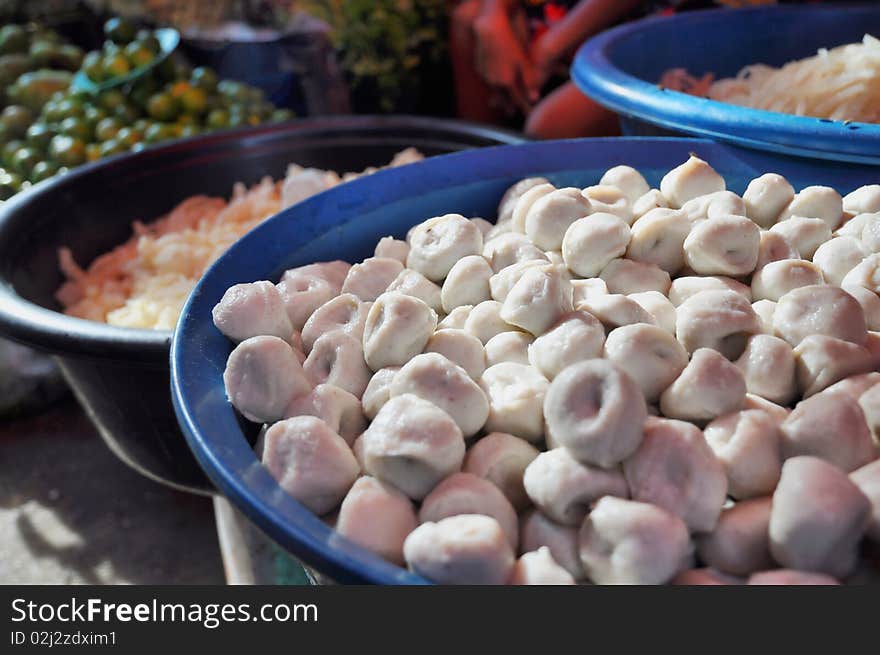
168,38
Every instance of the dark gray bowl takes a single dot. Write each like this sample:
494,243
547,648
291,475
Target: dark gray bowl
120,375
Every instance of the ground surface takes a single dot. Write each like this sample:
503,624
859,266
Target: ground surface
70,512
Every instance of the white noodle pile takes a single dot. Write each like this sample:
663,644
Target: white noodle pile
841,84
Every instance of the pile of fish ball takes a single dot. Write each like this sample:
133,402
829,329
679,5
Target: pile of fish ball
614,384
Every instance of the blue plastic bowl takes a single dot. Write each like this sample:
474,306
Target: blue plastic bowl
345,223
621,69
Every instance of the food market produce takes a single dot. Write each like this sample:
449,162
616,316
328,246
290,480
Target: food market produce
62,125
842,83
145,281
35,64
648,457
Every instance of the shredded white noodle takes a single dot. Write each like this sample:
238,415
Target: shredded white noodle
145,282
841,84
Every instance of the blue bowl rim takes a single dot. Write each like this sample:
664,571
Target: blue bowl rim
346,562
598,77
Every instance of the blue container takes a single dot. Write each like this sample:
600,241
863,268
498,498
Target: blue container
345,223
620,69
295,70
